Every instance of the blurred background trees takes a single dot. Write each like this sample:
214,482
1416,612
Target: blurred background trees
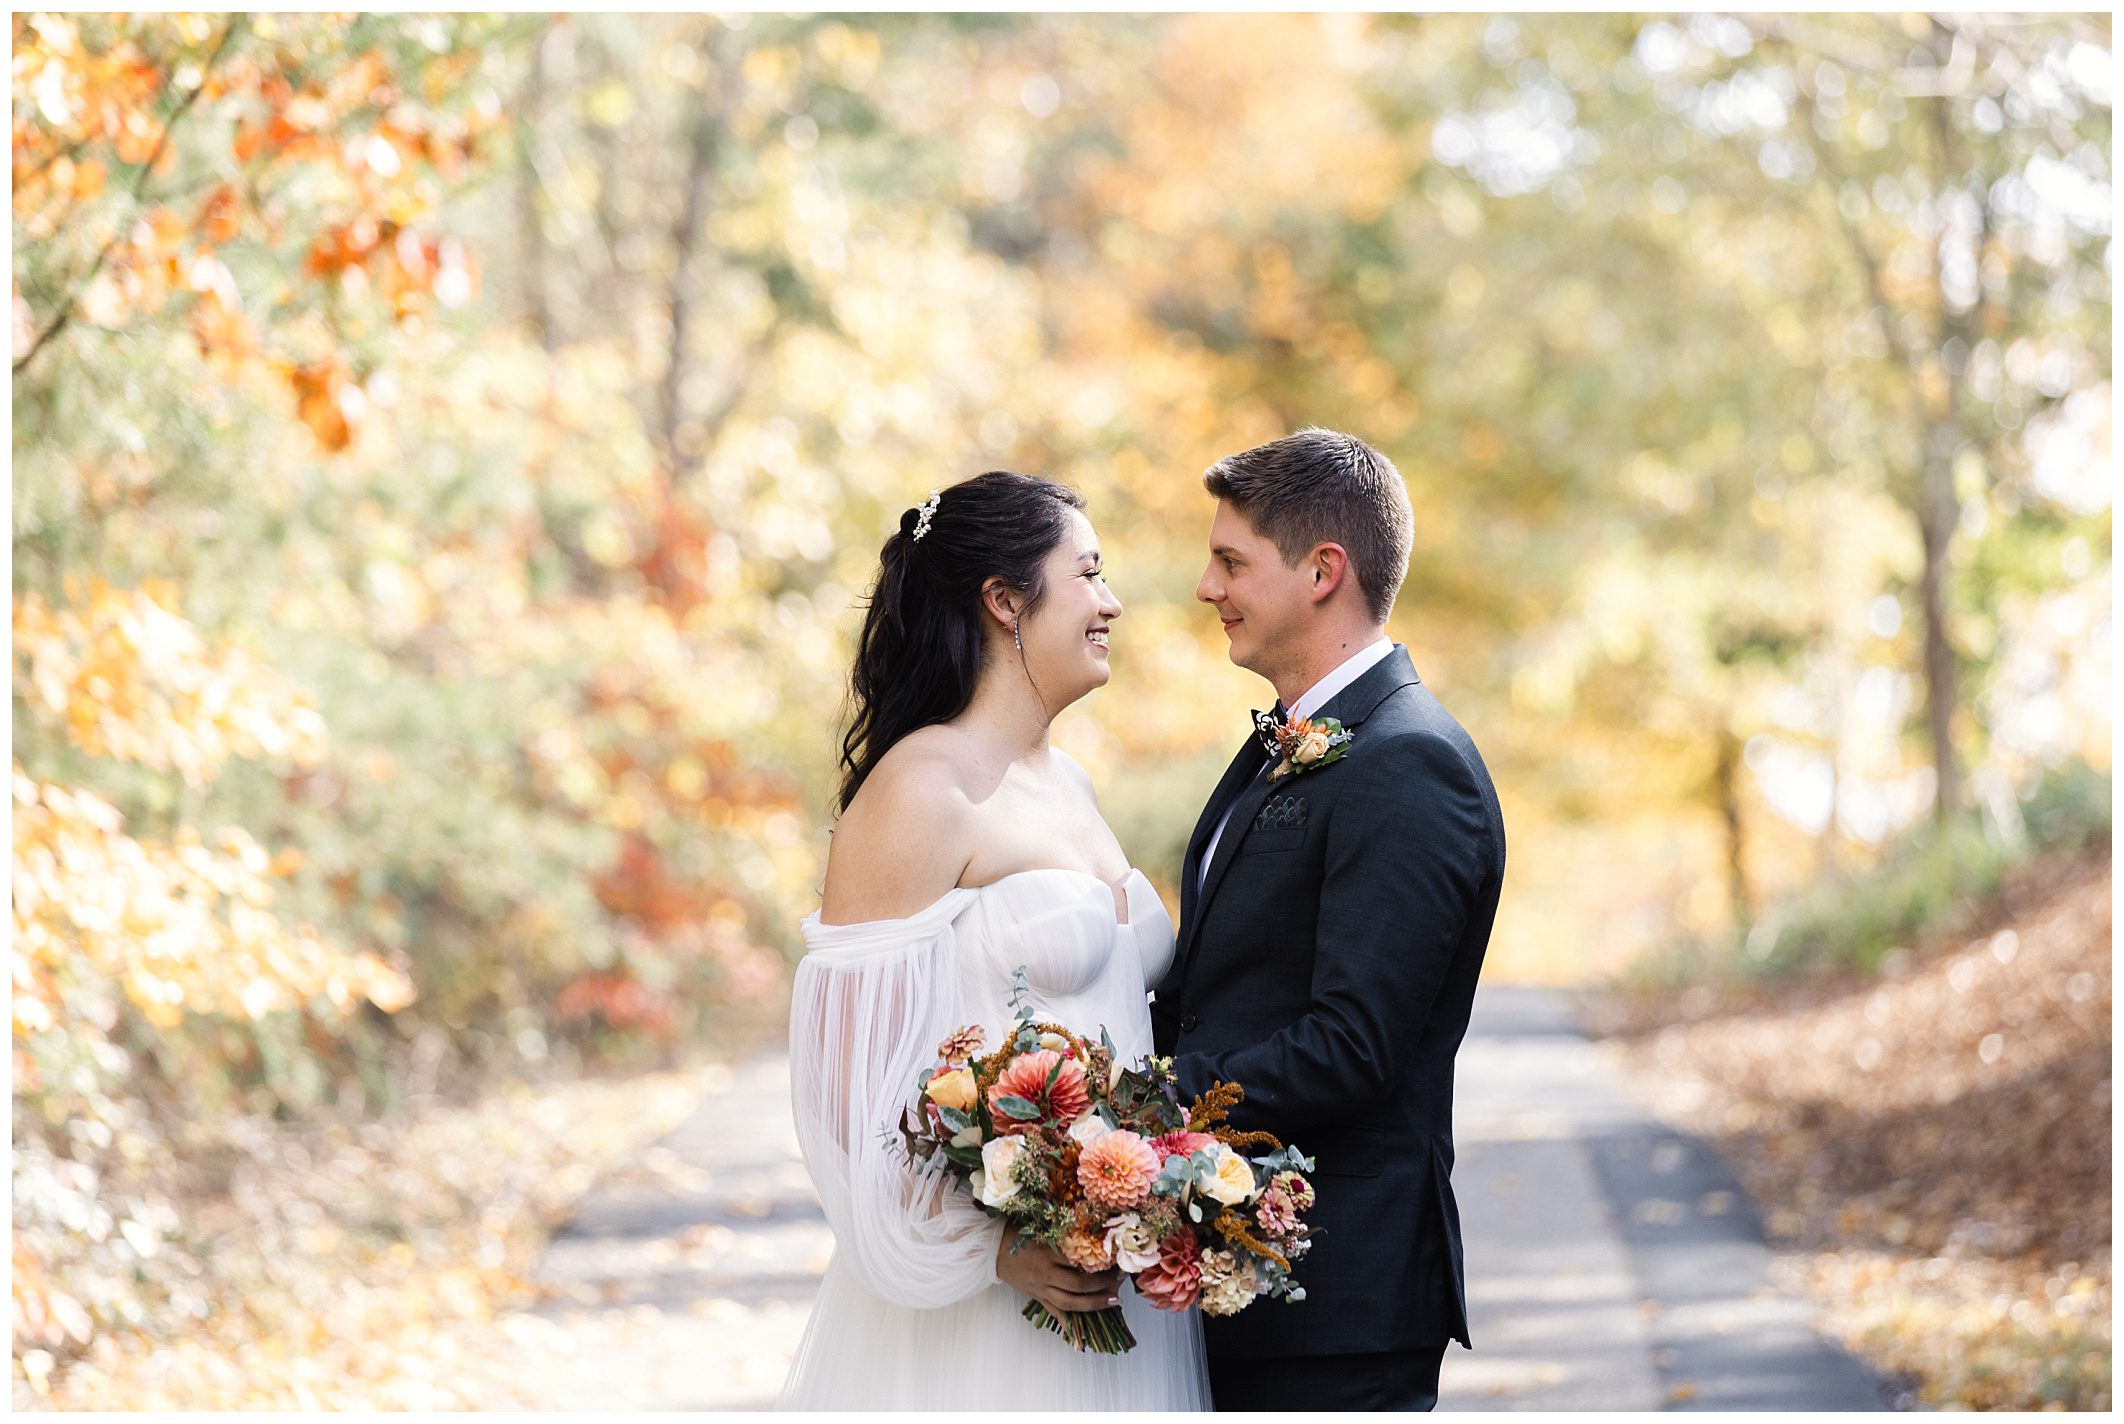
449,453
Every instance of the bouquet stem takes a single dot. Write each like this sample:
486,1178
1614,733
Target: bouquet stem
1103,1332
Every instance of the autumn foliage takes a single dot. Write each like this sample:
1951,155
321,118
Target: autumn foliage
450,453
104,108
249,214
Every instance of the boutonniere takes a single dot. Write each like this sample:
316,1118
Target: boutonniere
1302,743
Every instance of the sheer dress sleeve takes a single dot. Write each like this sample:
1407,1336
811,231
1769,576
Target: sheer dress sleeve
870,1003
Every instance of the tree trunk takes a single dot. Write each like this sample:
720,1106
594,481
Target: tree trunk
685,232
1938,513
1939,510
536,306
1725,785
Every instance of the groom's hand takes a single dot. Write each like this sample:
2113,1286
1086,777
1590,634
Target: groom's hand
1041,1273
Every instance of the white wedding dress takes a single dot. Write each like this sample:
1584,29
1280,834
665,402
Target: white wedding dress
910,1314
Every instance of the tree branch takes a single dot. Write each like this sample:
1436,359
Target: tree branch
65,313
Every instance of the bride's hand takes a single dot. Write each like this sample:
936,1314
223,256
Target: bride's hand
1040,1272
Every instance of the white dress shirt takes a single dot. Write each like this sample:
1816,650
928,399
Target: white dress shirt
1356,665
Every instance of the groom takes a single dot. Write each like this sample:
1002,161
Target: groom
1332,923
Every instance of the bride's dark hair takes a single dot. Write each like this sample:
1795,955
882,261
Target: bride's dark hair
920,650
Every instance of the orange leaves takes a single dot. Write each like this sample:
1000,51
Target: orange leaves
221,215
620,1000
304,115
408,270
249,141
421,269
343,245
226,339
137,138
323,404
78,95
675,559
126,676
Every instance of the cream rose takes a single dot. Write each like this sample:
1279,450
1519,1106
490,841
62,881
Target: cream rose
1231,1178
1130,1243
1087,1127
1312,748
952,1090
998,1156
1050,1039
969,1137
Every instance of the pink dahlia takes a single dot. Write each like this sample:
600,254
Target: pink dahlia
1117,1168
1175,1282
1181,1144
961,1044
1085,1251
1026,1077
1278,1216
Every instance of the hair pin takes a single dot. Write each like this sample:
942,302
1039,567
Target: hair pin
924,511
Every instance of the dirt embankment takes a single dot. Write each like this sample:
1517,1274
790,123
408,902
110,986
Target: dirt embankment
1930,1143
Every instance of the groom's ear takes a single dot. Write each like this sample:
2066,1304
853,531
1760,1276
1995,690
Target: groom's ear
1326,567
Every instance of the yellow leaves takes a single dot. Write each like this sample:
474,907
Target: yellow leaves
1481,444
850,54
768,71
127,676
610,104
193,28
182,928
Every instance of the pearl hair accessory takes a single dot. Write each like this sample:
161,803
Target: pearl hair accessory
925,511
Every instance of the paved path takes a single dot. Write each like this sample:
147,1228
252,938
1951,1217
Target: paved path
1612,1264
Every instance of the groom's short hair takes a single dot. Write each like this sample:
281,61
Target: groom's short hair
1319,487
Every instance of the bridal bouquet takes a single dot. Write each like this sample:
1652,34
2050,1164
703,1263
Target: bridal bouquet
1097,1159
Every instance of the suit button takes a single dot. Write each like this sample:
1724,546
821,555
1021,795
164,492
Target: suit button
1188,1022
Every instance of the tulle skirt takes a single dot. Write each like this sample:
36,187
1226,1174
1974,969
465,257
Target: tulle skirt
861,1351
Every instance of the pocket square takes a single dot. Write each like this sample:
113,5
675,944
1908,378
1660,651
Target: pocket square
1281,813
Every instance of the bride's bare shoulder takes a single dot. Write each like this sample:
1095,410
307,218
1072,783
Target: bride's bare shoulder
906,837
928,763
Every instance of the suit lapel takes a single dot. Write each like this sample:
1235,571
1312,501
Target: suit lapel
1249,756
1250,798
1350,706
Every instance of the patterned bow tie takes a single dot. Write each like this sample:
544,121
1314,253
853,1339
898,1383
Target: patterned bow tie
1265,726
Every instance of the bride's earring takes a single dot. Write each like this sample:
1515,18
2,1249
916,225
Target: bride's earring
1014,637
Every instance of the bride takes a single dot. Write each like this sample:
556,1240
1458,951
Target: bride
967,846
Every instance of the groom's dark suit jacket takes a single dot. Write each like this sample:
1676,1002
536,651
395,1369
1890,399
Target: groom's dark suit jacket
1328,967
